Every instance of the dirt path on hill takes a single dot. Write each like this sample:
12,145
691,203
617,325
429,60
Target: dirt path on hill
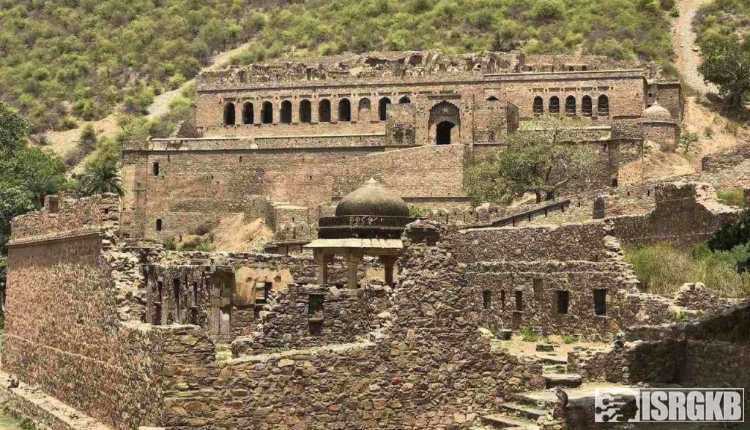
63,142
687,55
160,105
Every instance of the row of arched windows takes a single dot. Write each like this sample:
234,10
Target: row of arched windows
344,111
571,105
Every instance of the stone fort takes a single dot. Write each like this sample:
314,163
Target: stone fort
384,320
285,140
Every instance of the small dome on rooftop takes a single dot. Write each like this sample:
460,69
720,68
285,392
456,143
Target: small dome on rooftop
372,199
657,112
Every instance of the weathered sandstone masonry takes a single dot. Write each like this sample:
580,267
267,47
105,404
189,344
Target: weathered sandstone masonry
306,133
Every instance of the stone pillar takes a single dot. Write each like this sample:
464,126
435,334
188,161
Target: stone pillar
353,259
600,205
321,259
52,203
389,262
295,110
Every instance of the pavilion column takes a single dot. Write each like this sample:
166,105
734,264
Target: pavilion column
322,259
353,258
389,261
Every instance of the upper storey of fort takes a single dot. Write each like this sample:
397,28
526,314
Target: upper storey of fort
401,67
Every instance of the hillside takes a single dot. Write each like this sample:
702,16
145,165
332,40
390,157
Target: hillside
78,59
723,17
64,62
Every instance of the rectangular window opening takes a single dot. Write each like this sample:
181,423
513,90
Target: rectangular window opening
600,301
487,299
519,300
538,290
563,302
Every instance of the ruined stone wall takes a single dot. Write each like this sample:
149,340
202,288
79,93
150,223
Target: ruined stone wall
684,216
547,278
291,321
198,287
669,95
664,133
718,162
569,242
428,367
71,329
193,188
428,172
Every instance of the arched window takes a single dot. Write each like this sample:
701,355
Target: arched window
345,110
492,99
286,112
554,105
586,106
324,111
405,100
383,108
266,113
603,105
570,105
248,116
538,105
229,114
305,111
364,109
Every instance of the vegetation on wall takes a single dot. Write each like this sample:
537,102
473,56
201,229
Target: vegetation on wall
79,59
26,174
662,269
722,263
724,39
540,161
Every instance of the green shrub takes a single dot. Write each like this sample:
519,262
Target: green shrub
548,10
528,334
662,269
731,197
568,339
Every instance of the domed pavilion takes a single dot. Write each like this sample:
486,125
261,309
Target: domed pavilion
368,221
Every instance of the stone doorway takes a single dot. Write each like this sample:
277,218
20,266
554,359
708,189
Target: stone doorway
443,133
444,124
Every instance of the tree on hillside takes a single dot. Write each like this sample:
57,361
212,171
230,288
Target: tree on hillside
26,174
540,160
101,174
13,130
726,63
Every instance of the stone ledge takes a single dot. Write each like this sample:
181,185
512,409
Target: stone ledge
47,412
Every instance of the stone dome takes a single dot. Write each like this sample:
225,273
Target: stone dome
657,112
372,199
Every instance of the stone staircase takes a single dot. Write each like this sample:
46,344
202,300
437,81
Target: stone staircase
525,409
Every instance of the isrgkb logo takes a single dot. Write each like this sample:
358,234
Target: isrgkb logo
675,405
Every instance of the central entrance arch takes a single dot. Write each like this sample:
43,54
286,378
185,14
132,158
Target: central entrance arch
445,123
443,133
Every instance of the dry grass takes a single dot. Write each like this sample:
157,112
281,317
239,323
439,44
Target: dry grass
662,269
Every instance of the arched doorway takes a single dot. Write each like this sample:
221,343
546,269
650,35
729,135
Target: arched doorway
445,123
443,133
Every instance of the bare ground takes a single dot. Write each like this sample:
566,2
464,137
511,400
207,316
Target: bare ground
687,56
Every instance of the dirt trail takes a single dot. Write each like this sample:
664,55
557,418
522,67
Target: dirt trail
688,58
160,105
63,142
